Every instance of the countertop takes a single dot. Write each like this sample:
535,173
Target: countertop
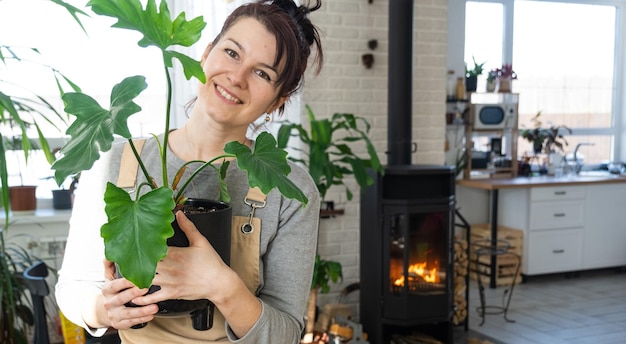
525,182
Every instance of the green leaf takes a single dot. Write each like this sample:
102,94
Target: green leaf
93,129
141,227
267,167
157,28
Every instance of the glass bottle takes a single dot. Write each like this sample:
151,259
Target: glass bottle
460,88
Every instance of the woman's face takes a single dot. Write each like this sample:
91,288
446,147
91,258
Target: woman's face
241,78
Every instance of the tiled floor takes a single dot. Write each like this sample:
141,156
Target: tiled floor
558,309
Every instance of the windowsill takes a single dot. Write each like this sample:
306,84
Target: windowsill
44,214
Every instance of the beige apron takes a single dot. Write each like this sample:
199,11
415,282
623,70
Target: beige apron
244,259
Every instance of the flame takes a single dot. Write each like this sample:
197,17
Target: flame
419,269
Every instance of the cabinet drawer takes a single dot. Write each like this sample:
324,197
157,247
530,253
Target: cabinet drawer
555,251
550,215
557,193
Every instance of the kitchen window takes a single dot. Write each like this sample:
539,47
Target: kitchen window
568,57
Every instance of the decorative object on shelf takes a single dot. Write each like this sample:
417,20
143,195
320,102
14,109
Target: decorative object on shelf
450,86
471,75
506,75
460,89
492,77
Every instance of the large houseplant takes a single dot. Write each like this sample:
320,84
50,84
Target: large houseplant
94,129
545,140
328,152
21,108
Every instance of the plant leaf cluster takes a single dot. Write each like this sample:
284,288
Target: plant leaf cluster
476,70
324,272
545,139
142,225
21,109
329,155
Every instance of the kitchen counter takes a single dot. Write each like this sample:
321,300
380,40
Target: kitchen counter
494,185
525,182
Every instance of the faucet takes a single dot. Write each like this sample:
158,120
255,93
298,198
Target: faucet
579,166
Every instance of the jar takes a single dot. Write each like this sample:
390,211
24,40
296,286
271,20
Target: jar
460,88
451,86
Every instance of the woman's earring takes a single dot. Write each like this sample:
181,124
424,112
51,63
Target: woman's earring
267,118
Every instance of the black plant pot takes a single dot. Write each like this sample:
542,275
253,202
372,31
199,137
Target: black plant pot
213,219
62,199
471,83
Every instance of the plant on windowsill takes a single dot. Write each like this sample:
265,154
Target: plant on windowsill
95,128
20,108
328,151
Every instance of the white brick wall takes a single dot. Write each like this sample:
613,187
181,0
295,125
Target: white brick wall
345,85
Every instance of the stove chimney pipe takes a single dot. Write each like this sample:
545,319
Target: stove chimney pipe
400,89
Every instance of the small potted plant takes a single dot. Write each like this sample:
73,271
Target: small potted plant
471,75
505,78
492,77
545,140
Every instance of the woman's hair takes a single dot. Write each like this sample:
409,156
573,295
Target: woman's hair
294,33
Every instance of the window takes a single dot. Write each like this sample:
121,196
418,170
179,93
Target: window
564,56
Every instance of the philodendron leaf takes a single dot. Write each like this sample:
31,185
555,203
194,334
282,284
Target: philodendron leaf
93,129
141,227
267,167
157,28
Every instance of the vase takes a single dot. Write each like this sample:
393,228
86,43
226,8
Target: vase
491,86
504,84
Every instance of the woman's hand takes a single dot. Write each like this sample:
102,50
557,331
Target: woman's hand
190,273
117,292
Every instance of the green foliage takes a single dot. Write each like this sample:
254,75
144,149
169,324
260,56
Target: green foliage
476,70
330,157
95,127
18,112
324,272
544,139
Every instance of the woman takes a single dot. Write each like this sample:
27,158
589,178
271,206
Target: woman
256,62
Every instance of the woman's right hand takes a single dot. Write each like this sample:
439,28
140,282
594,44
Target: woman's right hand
117,292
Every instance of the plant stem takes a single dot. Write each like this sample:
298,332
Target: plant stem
167,123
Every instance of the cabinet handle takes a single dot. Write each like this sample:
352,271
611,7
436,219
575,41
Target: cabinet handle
559,214
558,251
560,193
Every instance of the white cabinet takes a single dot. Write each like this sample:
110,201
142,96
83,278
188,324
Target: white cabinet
605,226
553,220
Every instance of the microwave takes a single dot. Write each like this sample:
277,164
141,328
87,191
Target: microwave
494,116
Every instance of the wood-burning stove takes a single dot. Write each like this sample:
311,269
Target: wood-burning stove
407,224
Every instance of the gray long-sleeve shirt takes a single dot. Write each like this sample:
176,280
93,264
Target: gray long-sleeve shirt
287,245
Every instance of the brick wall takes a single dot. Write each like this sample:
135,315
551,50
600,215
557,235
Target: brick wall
345,85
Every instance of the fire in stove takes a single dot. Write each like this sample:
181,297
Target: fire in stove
420,278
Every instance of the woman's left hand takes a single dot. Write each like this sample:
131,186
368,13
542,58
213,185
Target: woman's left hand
189,273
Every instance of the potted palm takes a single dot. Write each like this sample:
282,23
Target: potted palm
94,129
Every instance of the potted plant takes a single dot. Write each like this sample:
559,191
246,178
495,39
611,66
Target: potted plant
94,129
492,77
545,140
20,109
505,78
471,75
324,272
328,153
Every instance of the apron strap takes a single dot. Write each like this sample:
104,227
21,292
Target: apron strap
127,176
